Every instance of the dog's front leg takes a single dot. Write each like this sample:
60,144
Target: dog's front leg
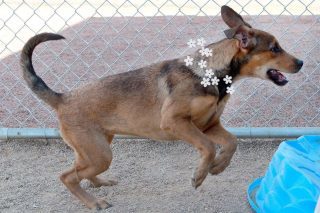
219,135
183,128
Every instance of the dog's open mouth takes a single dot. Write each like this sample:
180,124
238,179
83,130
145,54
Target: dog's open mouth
277,77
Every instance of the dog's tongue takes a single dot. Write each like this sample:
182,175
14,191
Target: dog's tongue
277,77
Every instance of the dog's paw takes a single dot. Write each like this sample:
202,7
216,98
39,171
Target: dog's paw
219,167
109,183
198,177
101,204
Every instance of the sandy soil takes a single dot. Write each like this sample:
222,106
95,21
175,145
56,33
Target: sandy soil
153,177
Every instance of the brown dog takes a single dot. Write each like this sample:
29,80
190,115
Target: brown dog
162,101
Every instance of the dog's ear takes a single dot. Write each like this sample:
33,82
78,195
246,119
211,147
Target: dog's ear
243,34
232,18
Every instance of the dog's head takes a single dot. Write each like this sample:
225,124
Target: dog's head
260,52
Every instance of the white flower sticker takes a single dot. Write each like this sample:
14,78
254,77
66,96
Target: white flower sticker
205,82
209,73
191,43
188,60
215,81
205,52
227,79
230,90
202,64
201,41
202,51
208,52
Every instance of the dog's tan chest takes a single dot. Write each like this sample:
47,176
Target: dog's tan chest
206,110
202,109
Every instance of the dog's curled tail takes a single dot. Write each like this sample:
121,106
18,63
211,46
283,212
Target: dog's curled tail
35,83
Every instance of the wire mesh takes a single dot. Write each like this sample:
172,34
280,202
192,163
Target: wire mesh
108,37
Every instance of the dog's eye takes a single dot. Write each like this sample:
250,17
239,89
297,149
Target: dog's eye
275,49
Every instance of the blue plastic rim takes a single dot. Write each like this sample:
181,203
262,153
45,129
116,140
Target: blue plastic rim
292,180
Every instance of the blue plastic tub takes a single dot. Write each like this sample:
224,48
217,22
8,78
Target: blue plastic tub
292,181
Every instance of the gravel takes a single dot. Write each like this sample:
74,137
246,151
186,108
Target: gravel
153,177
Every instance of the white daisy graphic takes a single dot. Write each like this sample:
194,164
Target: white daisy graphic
209,73
215,81
202,51
227,79
201,41
205,82
208,52
230,90
188,60
202,64
191,43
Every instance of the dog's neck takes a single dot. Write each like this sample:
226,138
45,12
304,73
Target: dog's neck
222,61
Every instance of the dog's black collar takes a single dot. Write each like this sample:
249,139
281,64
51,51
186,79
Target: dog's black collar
233,70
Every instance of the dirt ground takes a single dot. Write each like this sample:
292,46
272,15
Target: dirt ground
153,177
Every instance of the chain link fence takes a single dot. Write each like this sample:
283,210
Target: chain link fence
108,37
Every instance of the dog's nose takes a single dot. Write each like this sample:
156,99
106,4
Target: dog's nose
299,64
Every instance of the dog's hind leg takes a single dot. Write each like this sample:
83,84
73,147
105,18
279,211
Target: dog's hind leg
93,156
228,142
98,182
